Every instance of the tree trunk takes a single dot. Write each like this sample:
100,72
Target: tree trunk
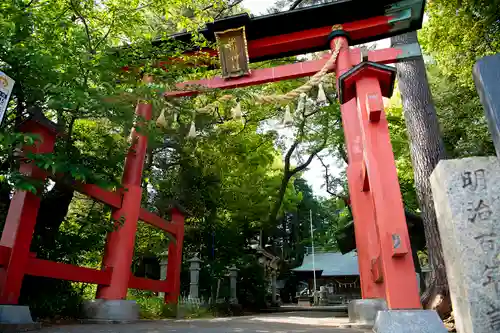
427,148
51,214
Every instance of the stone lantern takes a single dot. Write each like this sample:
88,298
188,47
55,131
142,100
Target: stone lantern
194,270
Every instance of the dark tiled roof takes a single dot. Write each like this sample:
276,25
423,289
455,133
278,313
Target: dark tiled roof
331,264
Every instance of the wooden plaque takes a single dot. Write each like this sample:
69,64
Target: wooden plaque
233,52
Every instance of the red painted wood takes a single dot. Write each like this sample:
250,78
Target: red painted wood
364,177
4,255
258,76
21,219
157,221
119,248
361,202
110,198
56,270
148,284
315,37
175,259
279,73
385,56
399,273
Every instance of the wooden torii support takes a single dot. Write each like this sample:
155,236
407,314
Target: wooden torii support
115,276
384,254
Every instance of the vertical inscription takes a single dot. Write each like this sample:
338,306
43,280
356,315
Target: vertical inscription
480,214
233,52
475,181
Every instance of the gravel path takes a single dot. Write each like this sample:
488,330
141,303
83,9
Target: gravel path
291,322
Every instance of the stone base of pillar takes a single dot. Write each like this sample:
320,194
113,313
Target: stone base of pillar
110,311
15,314
364,311
409,321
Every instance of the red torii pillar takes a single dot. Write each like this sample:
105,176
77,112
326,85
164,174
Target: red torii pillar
175,259
119,248
361,202
373,183
21,218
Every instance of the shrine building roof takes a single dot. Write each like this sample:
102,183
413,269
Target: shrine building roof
305,30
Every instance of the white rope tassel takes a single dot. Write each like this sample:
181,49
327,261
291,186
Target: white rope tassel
301,105
287,119
161,121
236,112
321,94
192,130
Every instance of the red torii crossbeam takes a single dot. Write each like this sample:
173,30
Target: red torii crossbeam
291,71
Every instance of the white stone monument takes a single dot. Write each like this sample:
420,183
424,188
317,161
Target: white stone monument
467,201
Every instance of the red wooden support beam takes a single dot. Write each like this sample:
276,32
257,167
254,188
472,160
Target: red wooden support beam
316,38
56,270
395,54
158,222
292,71
258,76
110,198
398,270
175,259
148,284
21,218
119,248
4,255
361,202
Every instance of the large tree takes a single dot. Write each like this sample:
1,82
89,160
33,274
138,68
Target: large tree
427,148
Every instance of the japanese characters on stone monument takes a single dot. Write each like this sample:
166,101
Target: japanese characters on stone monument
6,85
233,52
467,201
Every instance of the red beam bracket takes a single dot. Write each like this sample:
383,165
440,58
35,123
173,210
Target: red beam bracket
399,246
56,270
385,75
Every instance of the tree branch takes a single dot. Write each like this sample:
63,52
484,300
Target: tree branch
237,2
295,4
327,177
87,30
106,35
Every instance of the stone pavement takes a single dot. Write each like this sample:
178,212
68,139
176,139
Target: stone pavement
292,322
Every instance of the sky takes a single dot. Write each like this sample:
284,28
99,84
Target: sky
257,6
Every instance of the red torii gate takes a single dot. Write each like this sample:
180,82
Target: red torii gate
115,276
385,261
383,245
